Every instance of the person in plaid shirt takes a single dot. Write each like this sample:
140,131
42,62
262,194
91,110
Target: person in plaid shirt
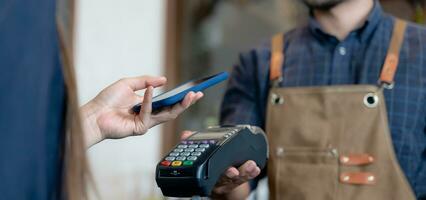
344,43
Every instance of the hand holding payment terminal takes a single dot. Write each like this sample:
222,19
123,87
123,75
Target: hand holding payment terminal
194,166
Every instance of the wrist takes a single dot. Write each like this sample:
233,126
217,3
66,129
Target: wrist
216,196
241,192
89,117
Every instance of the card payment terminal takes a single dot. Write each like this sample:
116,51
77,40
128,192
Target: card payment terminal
194,166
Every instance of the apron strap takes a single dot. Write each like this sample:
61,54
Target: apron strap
388,70
392,58
277,58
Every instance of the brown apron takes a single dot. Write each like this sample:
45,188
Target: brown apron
333,142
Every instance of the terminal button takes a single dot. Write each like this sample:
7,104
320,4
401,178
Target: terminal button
165,163
196,154
185,154
174,154
193,146
178,150
170,158
182,146
189,150
192,158
181,158
188,163
176,163
204,145
200,149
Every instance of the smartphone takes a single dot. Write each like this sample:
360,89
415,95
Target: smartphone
177,94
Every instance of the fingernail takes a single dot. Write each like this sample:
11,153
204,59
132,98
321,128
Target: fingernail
255,172
251,165
229,174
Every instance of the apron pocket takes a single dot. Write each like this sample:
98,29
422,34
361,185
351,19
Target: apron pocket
306,173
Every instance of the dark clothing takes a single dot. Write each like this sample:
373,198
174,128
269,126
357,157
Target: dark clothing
31,102
315,58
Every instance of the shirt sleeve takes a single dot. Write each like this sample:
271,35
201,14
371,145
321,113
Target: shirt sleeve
245,96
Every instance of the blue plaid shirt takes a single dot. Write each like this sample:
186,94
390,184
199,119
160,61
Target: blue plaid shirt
315,58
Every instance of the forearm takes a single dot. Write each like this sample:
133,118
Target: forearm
89,117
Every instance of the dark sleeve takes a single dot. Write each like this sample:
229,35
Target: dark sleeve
32,104
246,94
244,100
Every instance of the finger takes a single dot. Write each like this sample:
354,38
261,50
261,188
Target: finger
255,173
226,182
186,134
146,106
187,101
245,172
232,172
227,178
198,96
237,176
233,177
174,111
247,168
142,82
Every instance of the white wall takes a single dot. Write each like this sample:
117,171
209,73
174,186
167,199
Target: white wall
116,39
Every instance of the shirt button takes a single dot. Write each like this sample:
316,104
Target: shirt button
342,51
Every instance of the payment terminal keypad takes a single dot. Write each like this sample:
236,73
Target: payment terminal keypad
170,158
185,154
188,152
178,150
174,154
195,153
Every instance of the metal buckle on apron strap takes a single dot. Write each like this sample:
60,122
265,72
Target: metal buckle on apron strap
275,98
358,178
276,82
386,85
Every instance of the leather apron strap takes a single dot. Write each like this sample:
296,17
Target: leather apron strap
277,57
392,58
388,70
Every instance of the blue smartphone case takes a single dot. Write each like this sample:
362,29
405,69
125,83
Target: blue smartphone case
210,81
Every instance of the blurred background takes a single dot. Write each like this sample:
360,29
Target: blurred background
181,39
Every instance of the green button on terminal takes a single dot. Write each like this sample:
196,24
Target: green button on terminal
188,163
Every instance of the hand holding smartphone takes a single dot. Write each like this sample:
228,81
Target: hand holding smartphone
177,94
